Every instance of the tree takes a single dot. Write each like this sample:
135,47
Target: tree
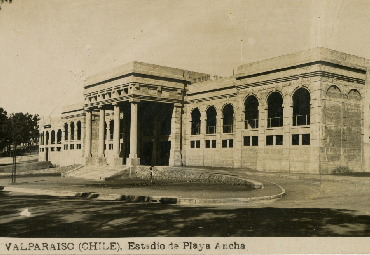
2,1
3,128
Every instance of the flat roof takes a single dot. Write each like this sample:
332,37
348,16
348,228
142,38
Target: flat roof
303,57
146,69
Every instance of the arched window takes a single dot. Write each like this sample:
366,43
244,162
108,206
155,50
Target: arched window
52,137
211,120
111,129
72,131
301,107
228,118
66,131
78,130
47,137
59,136
251,112
334,92
354,95
195,122
275,110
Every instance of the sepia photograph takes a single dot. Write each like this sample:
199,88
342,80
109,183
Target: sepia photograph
173,126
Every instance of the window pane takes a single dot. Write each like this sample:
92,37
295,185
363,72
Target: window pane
269,140
224,143
254,140
247,141
231,143
198,143
279,140
208,143
192,144
306,139
295,139
213,143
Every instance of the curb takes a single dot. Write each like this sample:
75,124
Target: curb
186,201
307,178
142,199
20,175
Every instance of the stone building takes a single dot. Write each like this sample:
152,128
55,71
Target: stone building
306,112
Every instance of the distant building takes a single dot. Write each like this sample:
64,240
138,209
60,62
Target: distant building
306,112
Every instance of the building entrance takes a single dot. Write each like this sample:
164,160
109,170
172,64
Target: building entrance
154,130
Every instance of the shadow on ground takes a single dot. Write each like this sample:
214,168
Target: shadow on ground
55,217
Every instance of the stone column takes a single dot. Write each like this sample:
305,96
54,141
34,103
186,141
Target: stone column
116,159
202,135
88,134
75,134
219,127
101,132
133,160
175,153
287,121
70,131
237,130
262,125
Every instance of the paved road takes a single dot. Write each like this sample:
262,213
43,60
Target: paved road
309,209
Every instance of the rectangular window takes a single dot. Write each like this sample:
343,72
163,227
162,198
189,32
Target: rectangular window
197,143
192,144
306,139
231,143
40,150
78,146
254,140
59,148
269,140
66,147
247,141
208,144
213,143
224,143
295,139
71,146
110,146
52,148
279,140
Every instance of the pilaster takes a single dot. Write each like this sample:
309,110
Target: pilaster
175,153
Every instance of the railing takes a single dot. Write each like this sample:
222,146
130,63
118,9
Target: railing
195,130
211,129
251,123
275,122
301,120
227,128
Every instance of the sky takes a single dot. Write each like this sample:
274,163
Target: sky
47,48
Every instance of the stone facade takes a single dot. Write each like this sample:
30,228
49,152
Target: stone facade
305,112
